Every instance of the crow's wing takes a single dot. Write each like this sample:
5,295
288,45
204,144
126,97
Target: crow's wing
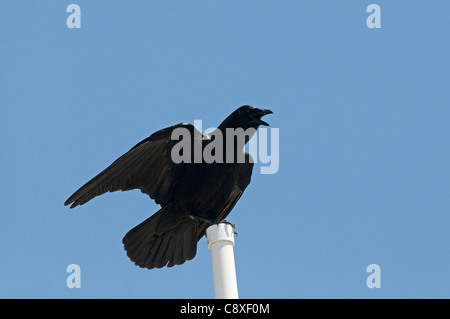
147,166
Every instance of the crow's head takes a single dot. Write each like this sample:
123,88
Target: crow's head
243,123
247,116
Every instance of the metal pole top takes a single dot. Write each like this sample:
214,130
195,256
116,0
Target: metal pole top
219,232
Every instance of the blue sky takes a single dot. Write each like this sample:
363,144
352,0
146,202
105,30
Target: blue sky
363,116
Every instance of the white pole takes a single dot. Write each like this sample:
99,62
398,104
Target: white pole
220,242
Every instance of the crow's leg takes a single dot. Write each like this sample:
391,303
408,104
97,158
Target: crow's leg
206,220
213,222
227,222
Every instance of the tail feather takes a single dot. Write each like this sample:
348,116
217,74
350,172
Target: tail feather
153,252
188,237
148,247
178,255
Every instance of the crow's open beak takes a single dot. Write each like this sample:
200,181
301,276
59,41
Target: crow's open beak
256,118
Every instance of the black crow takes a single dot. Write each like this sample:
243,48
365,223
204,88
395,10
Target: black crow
193,192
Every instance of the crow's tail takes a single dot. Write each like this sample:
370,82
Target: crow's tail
162,240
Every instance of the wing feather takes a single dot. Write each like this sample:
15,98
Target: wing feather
147,166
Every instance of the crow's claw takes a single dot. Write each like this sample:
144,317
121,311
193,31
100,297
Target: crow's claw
232,225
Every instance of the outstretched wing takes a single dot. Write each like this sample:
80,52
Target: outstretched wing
147,166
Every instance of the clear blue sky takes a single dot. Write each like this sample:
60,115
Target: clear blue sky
364,120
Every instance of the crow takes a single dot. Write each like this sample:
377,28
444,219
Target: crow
193,193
